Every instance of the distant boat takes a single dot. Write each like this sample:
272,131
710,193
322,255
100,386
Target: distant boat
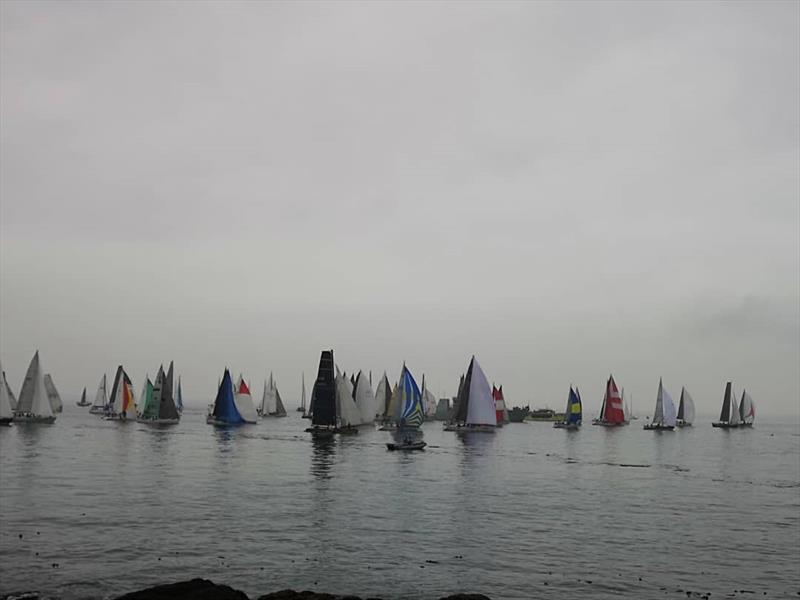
518,414
52,394
179,397
685,409
225,410
747,410
475,407
34,405
11,397
271,403
611,412
664,416
364,399
407,444
6,410
383,399
442,409
500,406
83,401
573,414
122,401
244,401
160,406
100,398
729,417
302,407
428,401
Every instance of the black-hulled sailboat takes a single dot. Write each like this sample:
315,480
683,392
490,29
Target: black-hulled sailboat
323,397
729,417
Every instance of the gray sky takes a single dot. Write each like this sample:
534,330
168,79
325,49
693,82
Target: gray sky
564,190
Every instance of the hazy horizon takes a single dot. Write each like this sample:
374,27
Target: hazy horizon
565,190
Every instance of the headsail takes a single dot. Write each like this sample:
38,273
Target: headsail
747,410
244,402
101,396
6,410
148,406
686,412
11,397
179,397
612,407
480,404
33,398
225,410
52,394
410,398
365,400
574,412
346,408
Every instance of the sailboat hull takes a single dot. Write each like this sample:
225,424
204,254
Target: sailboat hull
569,426
158,421
409,446
83,403
722,425
607,423
34,419
6,421
652,427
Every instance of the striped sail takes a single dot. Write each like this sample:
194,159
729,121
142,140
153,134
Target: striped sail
410,398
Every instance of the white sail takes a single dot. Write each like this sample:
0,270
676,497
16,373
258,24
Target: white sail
268,399
393,412
688,408
33,397
101,396
735,419
52,394
6,410
480,410
380,396
747,409
365,399
669,412
429,401
303,392
244,404
346,408
11,398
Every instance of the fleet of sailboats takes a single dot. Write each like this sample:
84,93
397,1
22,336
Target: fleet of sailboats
340,403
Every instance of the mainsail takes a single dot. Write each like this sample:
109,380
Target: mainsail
52,394
612,404
167,411
323,397
665,415
179,397
100,397
147,403
346,408
122,401
11,397
428,400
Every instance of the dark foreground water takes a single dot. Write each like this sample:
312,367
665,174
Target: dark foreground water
90,508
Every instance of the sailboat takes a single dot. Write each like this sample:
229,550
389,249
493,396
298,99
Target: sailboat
383,400
475,408
323,397
147,406
500,406
729,417
52,394
626,410
302,407
100,398
347,413
428,401
747,410
244,401
409,401
6,410
573,414
122,402
271,403
364,398
685,409
665,416
83,401
179,397
160,408
225,410
11,397
34,405
611,412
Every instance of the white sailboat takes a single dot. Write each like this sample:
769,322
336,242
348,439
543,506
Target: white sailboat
52,394
6,410
747,410
100,398
685,409
475,407
365,399
347,412
34,405
665,415
271,402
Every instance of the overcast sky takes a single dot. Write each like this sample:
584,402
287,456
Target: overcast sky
565,190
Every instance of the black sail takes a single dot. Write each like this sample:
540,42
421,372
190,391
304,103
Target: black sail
680,406
118,379
462,401
323,401
166,405
725,415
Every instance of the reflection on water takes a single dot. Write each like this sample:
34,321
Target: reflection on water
323,453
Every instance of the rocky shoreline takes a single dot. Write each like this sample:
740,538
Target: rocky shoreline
203,589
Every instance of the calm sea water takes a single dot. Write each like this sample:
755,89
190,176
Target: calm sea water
91,509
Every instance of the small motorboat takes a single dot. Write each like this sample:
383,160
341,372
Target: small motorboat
406,445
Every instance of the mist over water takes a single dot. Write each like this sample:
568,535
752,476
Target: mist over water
103,508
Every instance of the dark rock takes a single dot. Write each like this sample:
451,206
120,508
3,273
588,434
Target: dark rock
304,595
466,597
196,589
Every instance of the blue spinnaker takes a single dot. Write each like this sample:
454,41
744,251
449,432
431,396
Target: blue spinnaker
225,410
